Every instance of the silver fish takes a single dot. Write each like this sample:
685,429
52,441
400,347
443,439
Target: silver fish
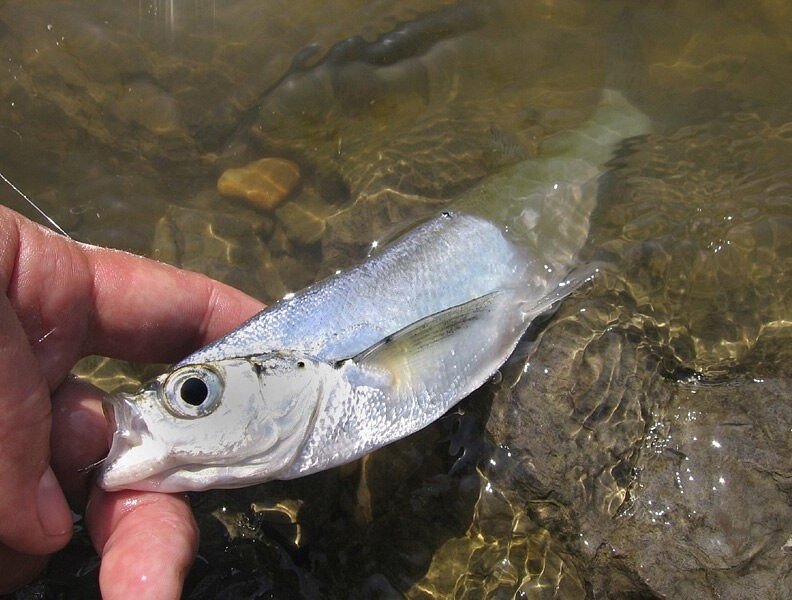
381,350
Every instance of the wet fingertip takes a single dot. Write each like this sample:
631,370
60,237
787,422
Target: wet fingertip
151,544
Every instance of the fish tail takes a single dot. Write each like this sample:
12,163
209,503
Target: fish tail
614,120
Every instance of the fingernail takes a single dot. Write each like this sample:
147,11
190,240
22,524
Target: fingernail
54,513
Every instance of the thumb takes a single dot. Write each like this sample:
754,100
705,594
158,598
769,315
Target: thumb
34,516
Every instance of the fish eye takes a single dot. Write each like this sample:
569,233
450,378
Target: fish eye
193,391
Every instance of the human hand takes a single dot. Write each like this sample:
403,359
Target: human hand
62,301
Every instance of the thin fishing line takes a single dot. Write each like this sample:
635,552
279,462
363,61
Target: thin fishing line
57,227
92,466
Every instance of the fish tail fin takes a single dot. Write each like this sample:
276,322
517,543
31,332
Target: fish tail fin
614,120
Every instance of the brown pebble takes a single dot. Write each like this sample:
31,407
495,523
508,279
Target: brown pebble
266,182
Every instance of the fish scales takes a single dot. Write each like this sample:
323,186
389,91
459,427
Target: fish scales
419,275
381,350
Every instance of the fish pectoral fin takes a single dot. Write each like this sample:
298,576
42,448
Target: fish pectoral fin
426,332
420,354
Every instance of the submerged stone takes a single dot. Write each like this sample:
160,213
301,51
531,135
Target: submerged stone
147,105
301,225
265,183
224,246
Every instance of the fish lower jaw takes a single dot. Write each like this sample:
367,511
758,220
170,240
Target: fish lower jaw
135,462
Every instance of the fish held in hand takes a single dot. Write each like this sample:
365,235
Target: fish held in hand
377,352
342,368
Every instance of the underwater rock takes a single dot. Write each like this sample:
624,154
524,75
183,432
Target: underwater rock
300,225
265,183
145,104
223,246
709,259
304,220
711,500
667,489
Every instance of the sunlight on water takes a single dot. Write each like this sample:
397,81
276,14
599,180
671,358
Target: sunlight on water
638,442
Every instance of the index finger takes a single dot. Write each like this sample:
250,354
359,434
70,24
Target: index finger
73,300
146,310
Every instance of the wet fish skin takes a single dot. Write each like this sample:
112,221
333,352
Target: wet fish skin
363,359
375,353
420,274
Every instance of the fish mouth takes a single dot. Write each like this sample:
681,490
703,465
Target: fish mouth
135,459
125,426
126,431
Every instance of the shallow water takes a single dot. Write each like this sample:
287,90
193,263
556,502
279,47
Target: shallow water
637,444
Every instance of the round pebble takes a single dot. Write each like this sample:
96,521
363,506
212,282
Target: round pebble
265,183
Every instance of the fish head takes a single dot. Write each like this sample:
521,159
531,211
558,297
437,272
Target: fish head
221,424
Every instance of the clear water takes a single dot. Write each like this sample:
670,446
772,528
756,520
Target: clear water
639,444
